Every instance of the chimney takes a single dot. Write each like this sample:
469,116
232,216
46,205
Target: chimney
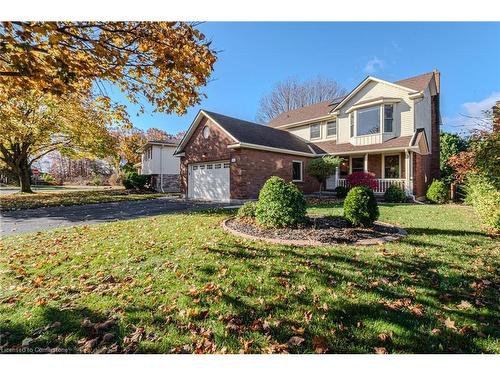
437,78
496,116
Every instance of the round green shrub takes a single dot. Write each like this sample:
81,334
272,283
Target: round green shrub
280,204
437,192
341,191
394,194
247,210
360,206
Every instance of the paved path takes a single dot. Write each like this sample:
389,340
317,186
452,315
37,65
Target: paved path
39,219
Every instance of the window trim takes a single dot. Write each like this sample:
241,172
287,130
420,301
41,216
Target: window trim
383,165
336,129
352,125
380,113
310,130
391,118
301,170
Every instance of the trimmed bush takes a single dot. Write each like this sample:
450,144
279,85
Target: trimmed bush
133,180
341,191
437,192
485,198
247,210
360,206
280,204
394,194
362,179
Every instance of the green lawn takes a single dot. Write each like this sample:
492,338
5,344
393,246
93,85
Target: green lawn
178,283
18,201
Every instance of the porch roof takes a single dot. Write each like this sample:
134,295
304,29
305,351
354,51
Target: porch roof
331,147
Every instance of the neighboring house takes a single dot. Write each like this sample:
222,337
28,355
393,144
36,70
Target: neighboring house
388,128
158,160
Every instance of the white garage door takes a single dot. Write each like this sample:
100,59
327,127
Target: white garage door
209,181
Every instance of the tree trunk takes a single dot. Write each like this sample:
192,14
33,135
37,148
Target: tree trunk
25,178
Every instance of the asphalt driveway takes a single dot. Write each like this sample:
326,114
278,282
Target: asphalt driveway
40,219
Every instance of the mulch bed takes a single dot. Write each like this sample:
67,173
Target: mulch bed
318,230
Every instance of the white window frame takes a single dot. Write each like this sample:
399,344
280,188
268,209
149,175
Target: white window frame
336,129
383,117
310,130
380,120
352,124
383,164
301,170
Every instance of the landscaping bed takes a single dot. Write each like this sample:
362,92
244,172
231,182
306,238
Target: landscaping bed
317,230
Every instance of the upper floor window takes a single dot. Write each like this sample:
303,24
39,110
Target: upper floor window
368,121
388,117
351,124
331,128
315,131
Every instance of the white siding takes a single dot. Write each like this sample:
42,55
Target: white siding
403,111
168,164
303,132
423,116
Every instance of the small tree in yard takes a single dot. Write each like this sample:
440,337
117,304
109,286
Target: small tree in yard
322,168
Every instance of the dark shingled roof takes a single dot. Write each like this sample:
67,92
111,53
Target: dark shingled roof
249,132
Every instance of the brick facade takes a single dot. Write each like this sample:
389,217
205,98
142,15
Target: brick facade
250,168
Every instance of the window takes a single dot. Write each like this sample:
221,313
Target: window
315,131
226,165
297,171
368,121
351,124
195,167
391,166
388,119
217,166
331,129
202,167
210,166
206,132
358,164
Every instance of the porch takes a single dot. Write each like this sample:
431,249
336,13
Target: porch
389,168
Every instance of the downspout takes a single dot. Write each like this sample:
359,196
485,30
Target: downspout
161,169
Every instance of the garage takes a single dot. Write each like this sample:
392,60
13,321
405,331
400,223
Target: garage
209,181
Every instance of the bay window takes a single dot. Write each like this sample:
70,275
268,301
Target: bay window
388,119
368,121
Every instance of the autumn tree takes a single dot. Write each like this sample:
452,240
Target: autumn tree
292,94
33,125
47,66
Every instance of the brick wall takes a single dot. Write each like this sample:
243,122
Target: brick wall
254,167
199,149
251,168
375,165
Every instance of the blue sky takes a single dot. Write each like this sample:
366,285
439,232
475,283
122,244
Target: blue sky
254,56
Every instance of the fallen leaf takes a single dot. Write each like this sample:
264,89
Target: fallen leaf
384,337
295,341
450,324
464,305
380,350
320,345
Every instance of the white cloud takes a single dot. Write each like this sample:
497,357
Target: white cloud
373,65
471,112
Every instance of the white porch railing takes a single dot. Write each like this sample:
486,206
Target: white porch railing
383,184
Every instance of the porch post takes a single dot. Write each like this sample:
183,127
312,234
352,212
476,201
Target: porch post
408,187
336,176
366,162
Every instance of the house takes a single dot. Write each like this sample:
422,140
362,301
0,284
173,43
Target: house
159,162
388,128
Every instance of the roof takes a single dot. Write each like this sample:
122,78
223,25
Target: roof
173,142
309,112
323,109
334,148
417,83
250,132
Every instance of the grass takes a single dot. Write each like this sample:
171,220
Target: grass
19,201
178,283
